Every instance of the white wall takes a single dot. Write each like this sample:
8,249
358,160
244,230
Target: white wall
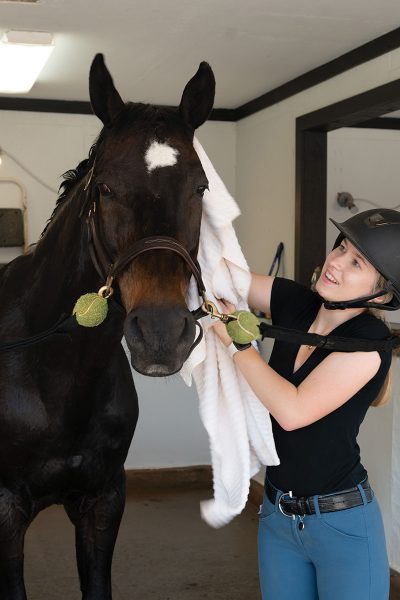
364,162
169,432
48,145
265,190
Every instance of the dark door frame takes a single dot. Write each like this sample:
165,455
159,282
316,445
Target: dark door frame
311,166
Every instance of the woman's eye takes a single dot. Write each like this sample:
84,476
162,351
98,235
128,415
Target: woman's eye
356,263
104,190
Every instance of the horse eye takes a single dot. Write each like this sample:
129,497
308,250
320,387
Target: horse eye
104,190
201,189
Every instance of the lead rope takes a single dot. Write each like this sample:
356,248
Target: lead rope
64,325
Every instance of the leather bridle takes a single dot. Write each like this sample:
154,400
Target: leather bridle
109,267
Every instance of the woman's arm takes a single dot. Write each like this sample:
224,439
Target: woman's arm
336,379
260,292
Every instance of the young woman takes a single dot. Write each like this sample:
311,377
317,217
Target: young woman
321,534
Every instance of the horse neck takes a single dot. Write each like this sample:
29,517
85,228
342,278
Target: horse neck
61,267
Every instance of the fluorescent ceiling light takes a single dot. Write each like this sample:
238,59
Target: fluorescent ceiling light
23,55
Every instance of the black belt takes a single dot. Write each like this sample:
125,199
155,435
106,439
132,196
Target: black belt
291,505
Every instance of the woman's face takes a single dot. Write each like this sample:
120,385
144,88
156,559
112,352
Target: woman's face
346,274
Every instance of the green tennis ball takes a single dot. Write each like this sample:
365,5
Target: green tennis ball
90,310
245,328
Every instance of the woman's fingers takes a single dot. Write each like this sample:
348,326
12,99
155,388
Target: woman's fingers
220,329
227,307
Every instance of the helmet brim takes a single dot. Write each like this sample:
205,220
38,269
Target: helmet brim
353,239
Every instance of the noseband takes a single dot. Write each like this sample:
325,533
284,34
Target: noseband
109,268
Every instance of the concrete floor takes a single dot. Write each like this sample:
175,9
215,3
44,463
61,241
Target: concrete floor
164,552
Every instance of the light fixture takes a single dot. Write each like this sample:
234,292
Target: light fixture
346,200
23,55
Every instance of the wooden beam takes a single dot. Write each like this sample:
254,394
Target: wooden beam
380,123
83,108
357,109
349,60
310,207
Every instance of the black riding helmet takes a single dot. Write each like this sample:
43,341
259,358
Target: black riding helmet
376,234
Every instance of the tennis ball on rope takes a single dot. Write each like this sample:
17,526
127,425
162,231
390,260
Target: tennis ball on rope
245,328
90,310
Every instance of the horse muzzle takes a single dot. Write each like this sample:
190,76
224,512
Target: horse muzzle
159,338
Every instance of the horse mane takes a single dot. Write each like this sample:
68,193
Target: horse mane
71,178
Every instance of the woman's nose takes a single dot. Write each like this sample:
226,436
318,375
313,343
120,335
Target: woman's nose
338,262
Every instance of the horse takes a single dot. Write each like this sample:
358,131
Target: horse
127,223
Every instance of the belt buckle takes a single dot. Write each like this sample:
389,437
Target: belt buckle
290,494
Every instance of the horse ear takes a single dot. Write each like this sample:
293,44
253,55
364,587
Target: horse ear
198,97
104,98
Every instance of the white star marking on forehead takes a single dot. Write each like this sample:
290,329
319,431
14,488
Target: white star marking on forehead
160,155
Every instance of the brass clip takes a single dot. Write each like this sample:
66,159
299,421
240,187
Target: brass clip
210,308
106,291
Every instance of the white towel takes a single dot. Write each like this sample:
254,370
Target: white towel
238,425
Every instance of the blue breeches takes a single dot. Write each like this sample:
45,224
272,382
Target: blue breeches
339,555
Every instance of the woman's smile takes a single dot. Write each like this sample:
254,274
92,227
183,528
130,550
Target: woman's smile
346,268
328,279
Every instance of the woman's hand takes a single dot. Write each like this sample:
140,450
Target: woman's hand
219,327
226,307
221,332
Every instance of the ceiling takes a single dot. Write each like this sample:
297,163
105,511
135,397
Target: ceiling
152,47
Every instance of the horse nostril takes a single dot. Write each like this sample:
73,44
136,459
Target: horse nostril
136,330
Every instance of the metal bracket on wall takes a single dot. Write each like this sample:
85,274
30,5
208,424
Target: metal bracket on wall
24,207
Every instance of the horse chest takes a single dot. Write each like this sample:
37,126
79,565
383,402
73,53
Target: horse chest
63,421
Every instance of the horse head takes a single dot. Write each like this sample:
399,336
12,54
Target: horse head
149,182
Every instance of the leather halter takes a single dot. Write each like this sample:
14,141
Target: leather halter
109,268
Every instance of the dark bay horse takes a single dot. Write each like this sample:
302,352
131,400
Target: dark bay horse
68,405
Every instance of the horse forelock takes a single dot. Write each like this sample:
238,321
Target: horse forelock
142,116
161,124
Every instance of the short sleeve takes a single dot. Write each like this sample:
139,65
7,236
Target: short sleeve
367,326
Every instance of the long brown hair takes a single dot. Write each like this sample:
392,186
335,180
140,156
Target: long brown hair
385,392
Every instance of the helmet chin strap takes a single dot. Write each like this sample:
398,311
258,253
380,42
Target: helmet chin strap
363,302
